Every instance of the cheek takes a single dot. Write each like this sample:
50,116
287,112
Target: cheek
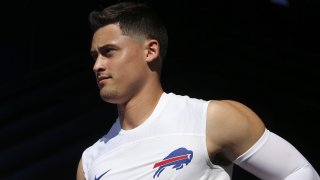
131,74
130,65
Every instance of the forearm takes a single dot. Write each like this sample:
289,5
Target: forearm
305,172
274,158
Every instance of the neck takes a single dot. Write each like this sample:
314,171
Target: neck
139,107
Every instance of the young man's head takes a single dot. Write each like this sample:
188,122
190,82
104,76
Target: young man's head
128,44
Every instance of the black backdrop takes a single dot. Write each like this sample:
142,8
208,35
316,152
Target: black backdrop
259,53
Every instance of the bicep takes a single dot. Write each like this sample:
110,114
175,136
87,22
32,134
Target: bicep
80,173
232,127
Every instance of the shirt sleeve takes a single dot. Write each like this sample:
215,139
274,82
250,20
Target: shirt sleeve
272,157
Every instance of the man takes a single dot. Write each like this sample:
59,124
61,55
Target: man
162,135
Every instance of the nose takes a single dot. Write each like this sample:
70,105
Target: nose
100,64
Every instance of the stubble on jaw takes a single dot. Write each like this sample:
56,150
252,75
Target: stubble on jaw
108,95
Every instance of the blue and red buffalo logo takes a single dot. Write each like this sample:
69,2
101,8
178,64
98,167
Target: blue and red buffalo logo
177,159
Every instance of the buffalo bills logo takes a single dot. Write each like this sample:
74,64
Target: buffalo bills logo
177,159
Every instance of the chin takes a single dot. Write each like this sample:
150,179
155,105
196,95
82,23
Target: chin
110,97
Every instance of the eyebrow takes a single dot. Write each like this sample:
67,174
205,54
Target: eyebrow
104,47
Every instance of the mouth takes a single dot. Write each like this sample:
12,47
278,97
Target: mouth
101,80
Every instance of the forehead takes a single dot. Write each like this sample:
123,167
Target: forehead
108,34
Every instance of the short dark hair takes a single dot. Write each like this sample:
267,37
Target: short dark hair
134,19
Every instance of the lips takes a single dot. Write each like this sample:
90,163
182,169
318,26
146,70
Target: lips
101,79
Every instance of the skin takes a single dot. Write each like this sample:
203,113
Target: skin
124,68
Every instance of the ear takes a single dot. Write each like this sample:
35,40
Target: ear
152,50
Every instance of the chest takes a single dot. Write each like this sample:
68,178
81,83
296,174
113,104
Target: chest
175,156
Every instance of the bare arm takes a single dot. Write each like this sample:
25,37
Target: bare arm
232,128
237,133
80,173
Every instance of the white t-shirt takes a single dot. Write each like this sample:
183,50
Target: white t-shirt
170,144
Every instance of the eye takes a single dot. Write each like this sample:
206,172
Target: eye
94,55
107,52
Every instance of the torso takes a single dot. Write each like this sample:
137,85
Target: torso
170,144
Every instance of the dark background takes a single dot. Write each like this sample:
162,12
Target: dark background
260,53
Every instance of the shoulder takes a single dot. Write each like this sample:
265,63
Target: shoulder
231,112
232,128
80,172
